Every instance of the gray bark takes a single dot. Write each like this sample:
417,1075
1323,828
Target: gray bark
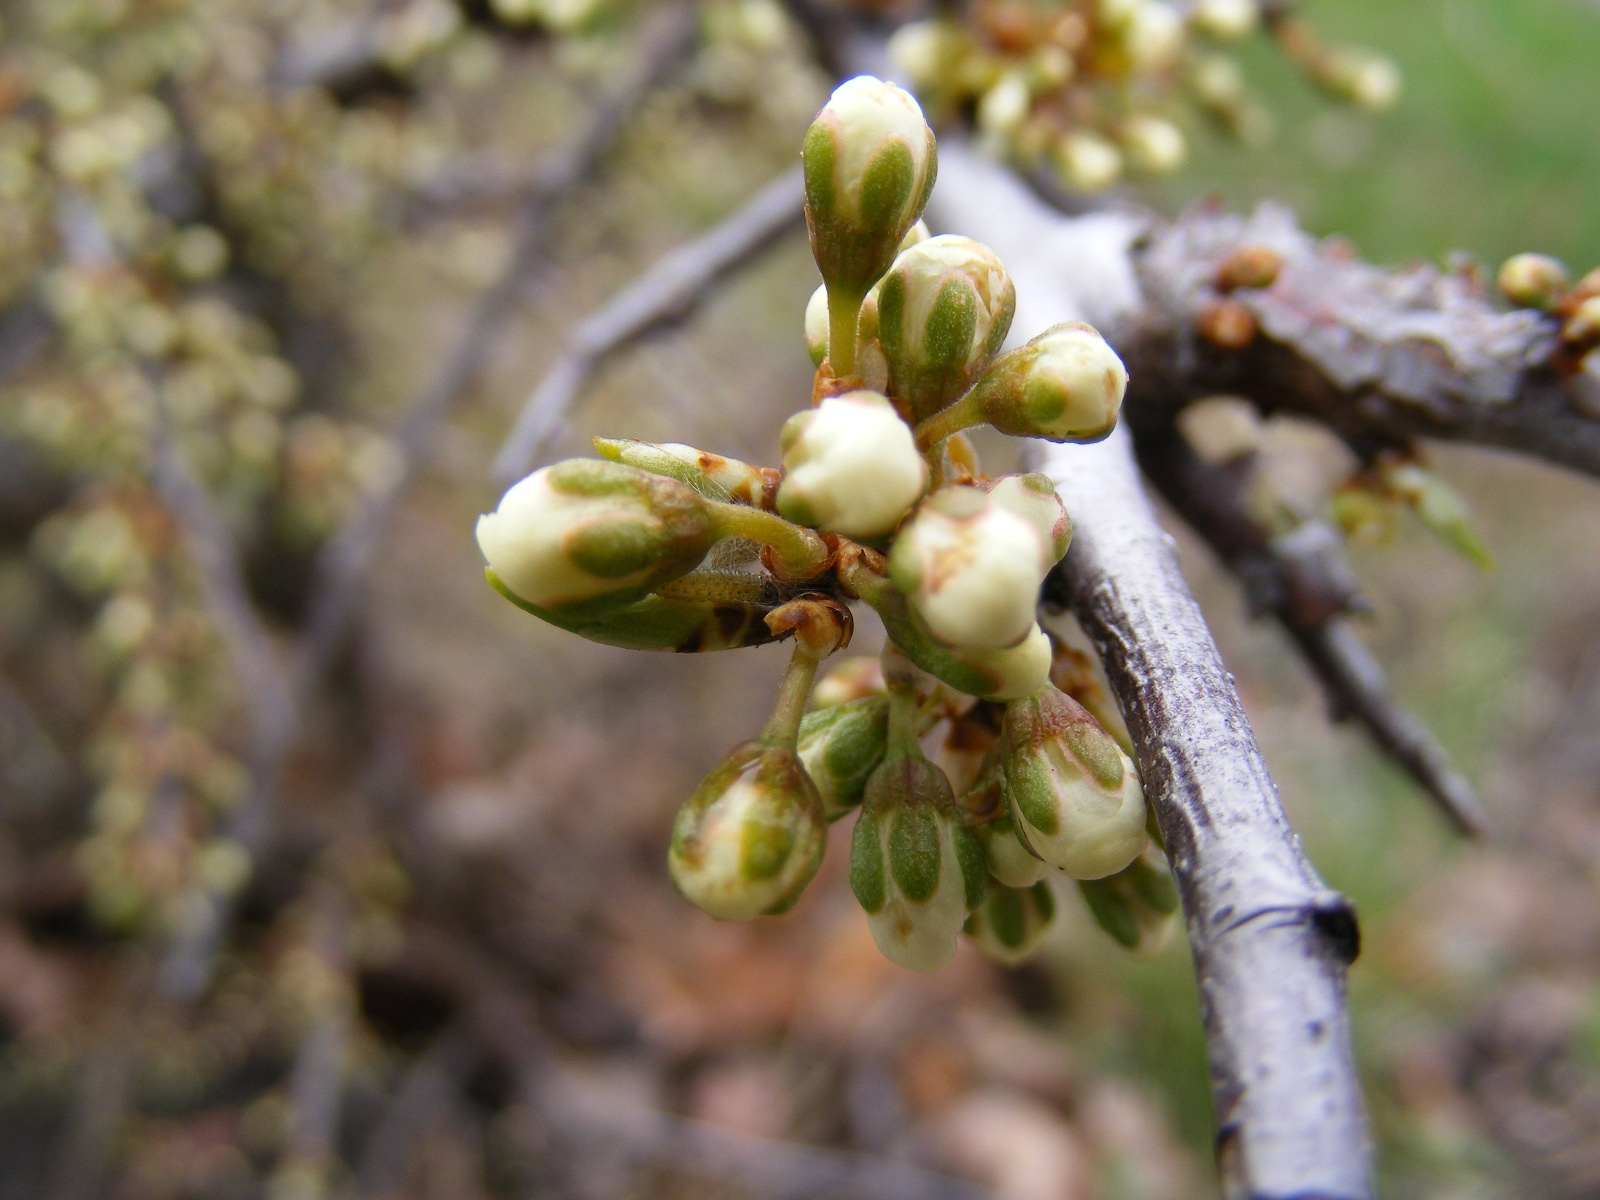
1270,941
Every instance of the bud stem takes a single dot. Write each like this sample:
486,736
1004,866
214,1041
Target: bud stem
783,727
844,316
963,414
905,719
801,553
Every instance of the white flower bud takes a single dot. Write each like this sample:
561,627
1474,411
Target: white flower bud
1011,922
1225,20
817,326
971,569
1075,796
1016,671
1033,498
751,837
870,161
926,53
1151,145
1152,37
1004,107
1360,77
915,868
1086,162
592,536
852,467
941,314
1066,385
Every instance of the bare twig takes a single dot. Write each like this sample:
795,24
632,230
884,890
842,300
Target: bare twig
668,291
669,33
1304,581
1270,941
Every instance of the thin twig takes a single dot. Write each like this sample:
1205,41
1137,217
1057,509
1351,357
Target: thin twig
669,33
668,291
1305,582
1271,942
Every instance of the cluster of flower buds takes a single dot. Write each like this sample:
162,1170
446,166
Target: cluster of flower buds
879,499
1094,89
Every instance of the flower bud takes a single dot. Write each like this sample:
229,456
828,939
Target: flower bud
1033,498
849,679
1152,37
1225,20
942,312
1151,145
987,808
927,53
971,567
588,537
1004,107
839,748
1014,672
1533,281
869,161
817,326
1075,796
1359,77
1085,162
852,467
1065,385
1011,922
915,868
751,837
1136,906
714,476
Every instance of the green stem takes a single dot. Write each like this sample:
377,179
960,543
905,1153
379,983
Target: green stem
783,727
801,553
844,315
905,719
963,414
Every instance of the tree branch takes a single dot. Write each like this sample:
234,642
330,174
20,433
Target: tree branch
1379,356
1303,579
1270,941
668,291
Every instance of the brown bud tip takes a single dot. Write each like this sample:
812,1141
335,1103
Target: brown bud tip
1249,267
1227,324
819,624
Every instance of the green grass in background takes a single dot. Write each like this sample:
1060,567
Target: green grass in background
1493,147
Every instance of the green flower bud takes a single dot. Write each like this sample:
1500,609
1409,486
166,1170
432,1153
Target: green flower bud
1138,904
839,748
870,161
1151,145
1225,20
1533,281
1085,162
970,566
943,311
1011,922
927,53
1065,385
585,537
852,467
712,475
751,837
915,868
1075,796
